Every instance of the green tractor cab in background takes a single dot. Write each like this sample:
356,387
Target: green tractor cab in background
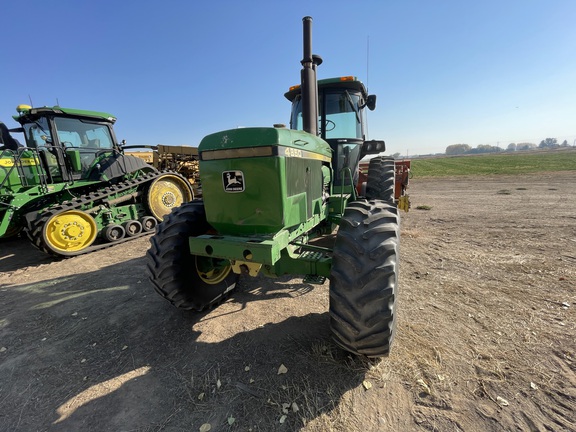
271,192
72,189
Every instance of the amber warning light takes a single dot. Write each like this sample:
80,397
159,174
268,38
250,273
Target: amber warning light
344,78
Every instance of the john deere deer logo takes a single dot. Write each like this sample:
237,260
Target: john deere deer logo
233,181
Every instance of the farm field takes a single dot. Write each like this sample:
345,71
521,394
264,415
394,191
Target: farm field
485,337
521,162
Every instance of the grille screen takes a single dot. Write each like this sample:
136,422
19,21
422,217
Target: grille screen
304,175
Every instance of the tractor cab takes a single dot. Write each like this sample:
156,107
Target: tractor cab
69,143
341,123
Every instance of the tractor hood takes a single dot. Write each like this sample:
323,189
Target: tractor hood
258,181
254,142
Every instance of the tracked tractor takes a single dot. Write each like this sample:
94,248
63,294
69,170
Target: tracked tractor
273,199
72,189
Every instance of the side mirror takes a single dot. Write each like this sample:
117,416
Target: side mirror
371,102
372,147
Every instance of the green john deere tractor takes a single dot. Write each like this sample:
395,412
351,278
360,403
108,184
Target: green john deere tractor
72,189
270,195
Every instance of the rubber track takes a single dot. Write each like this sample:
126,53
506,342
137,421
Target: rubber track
36,226
364,277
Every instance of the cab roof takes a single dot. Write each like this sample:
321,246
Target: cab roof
27,112
349,82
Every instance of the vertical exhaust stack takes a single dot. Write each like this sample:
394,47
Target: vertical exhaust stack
309,83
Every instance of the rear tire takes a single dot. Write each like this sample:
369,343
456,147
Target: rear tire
364,277
187,281
381,176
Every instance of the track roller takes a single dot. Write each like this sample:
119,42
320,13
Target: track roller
114,232
148,223
132,228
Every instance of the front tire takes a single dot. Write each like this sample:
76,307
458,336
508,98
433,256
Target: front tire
364,278
187,281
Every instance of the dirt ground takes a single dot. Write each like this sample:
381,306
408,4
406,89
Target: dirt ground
485,338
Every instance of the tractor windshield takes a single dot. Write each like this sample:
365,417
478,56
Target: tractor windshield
58,139
78,133
71,132
339,114
341,124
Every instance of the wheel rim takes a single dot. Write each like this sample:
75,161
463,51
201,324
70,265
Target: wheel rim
70,231
212,271
167,192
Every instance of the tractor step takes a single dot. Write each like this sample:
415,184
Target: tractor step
314,279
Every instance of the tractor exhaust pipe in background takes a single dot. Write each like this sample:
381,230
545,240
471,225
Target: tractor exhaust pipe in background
309,83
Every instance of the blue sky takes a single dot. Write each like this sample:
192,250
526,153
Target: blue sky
445,71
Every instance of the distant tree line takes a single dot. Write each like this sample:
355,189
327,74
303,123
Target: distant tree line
521,146
552,143
461,149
